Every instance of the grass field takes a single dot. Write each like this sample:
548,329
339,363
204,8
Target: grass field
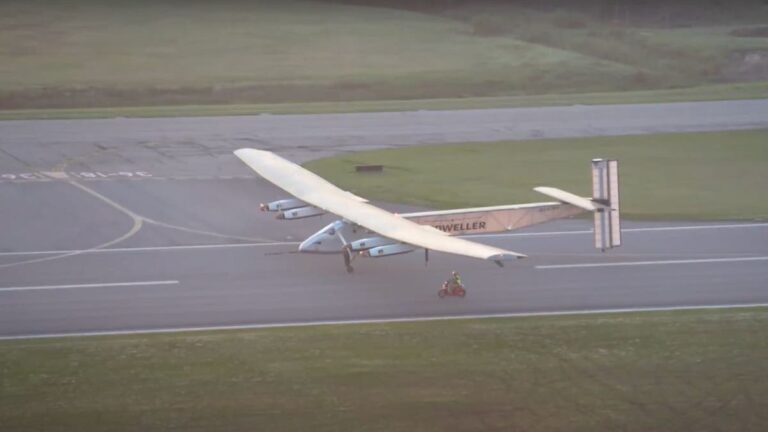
691,176
705,93
265,51
694,370
86,53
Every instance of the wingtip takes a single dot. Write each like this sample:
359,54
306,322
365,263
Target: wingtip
509,256
244,150
240,152
499,259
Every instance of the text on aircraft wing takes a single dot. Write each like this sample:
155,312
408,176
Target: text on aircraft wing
314,190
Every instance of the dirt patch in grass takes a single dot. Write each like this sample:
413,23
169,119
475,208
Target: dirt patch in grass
748,66
751,32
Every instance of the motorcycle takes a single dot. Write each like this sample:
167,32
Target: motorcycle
449,289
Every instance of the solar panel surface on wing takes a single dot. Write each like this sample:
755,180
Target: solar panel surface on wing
320,193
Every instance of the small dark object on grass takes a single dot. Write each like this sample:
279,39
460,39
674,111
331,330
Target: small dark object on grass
369,168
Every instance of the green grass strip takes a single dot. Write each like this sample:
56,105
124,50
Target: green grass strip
690,176
692,370
714,92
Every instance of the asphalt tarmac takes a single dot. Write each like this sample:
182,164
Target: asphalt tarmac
131,224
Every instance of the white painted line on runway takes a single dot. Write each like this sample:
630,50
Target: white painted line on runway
532,234
626,230
698,227
267,244
95,285
150,248
647,263
381,321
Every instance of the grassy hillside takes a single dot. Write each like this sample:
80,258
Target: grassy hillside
97,53
646,13
660,56
669,176
87,53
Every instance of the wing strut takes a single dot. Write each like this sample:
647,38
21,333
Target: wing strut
346,251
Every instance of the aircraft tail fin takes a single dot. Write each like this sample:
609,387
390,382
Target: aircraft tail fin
605,190
604,203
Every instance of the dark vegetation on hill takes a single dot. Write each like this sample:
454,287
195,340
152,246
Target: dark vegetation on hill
662,13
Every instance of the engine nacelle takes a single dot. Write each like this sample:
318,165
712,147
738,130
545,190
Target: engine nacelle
300,213
388,250
282,205
370,242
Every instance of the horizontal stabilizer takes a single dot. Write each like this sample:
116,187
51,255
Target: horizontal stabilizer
567,197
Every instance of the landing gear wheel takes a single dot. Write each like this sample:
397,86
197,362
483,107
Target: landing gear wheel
442,293
350,269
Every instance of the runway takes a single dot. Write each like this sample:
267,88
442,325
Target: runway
134,225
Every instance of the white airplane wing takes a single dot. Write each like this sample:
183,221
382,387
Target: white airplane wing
318,192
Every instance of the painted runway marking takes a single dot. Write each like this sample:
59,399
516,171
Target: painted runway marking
23,176
647,263
46,176
137,224
153,248
93,285
278,243
79,175
91,175
381,321
626,230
